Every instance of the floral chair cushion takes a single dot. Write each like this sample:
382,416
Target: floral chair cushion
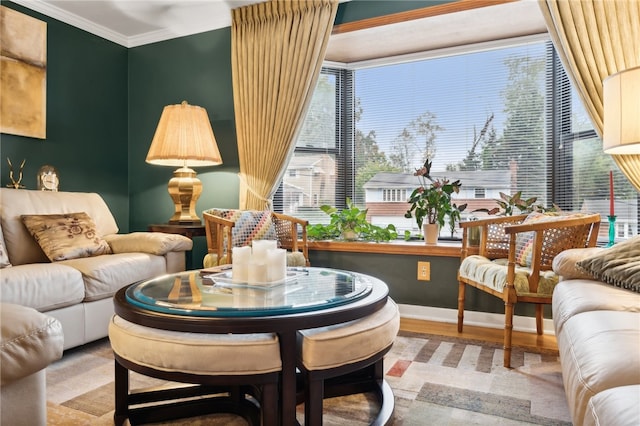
493,273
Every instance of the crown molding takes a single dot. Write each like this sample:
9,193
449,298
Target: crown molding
133,41
74,20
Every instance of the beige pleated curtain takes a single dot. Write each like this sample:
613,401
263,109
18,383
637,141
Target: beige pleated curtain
596,38
277,49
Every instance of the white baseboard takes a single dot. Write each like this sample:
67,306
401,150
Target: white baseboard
480,319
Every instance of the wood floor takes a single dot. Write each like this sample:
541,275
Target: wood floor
519,339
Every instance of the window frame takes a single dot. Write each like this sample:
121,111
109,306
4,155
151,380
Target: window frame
559,134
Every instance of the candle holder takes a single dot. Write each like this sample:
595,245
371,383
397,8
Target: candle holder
612,230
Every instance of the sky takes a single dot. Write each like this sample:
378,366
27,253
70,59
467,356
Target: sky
461,90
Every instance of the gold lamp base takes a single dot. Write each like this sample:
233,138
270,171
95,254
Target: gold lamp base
185,189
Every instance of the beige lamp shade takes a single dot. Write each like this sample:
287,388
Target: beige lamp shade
184,138
621,133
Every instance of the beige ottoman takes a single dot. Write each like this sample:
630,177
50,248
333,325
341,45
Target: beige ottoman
339,350
30,342
224,369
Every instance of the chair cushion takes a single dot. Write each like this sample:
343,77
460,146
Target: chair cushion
340,344
493,274
195,353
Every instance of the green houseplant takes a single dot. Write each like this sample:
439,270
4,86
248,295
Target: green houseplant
349,224
508,204
431,201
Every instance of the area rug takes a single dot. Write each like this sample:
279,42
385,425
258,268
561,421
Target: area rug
436,380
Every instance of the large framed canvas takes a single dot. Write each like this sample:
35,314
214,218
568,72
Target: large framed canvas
23,74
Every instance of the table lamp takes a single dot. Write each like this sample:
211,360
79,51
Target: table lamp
621,133
184,139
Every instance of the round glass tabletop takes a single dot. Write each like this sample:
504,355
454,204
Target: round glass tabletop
196,293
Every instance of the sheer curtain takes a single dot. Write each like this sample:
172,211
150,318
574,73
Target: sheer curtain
277,49
596,38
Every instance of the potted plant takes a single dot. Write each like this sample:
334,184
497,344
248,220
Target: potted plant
431,201
507,205
350,224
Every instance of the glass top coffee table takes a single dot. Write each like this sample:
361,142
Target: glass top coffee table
194,293
203,302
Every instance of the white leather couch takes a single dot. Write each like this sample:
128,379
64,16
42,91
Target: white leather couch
29,342
78,292
597,327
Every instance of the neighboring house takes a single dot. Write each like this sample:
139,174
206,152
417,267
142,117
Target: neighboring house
386,194
626,217
311,180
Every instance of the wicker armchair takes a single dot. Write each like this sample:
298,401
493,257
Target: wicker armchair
514,257
226,229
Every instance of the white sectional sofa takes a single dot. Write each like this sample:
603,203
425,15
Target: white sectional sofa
77,291
597,325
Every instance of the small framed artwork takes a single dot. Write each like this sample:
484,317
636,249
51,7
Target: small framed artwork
23,74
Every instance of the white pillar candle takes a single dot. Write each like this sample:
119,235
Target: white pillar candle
258,272
277,261
240,259
260,248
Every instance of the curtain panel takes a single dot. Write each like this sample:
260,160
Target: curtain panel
596,38
277,50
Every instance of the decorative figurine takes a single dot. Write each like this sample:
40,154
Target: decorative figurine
15,184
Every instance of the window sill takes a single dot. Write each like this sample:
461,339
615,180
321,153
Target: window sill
442,248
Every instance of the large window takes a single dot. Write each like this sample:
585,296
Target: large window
501,118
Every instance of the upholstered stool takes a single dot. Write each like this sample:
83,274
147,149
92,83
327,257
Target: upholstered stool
339,350
224,367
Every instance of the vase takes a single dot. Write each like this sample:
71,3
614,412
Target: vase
349,235
431,232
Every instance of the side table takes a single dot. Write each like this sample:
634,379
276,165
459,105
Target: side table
188,231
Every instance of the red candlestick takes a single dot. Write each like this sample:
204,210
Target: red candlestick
611,197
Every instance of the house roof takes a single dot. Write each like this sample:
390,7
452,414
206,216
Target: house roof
497,179
626,210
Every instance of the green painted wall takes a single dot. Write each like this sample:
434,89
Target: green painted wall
400,273
103,105
87,117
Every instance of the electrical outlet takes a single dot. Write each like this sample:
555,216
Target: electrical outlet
424,271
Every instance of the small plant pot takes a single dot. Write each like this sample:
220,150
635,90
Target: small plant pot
349,235
431,232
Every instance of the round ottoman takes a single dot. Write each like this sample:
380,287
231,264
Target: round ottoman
224,369
339,350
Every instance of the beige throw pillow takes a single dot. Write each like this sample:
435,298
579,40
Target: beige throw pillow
66,236
618,265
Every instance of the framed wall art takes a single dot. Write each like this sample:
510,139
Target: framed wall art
23,74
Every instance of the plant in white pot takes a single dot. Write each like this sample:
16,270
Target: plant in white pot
431,201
